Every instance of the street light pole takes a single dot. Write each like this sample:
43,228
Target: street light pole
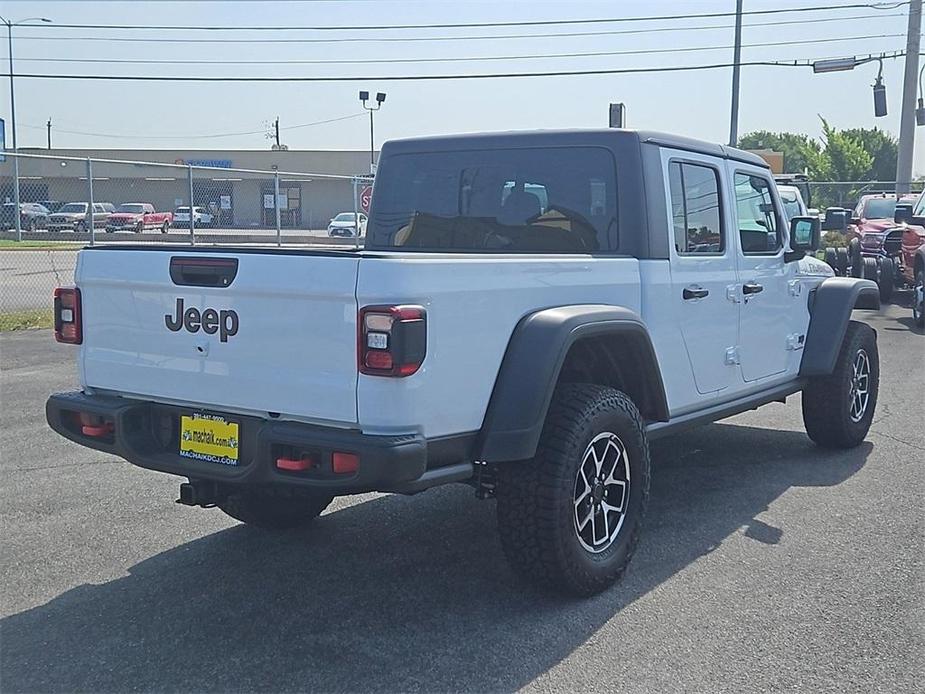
907,117
9,36
380,99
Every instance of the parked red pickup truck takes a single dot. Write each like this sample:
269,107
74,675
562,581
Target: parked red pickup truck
137,217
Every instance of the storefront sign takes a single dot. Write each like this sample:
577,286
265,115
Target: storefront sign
225,201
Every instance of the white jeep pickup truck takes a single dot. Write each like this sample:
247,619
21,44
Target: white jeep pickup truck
530,310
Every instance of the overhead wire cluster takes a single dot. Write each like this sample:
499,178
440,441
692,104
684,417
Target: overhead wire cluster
445,32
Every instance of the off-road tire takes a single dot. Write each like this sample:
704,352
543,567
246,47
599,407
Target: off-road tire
831,258
827,399
871,269
918,309
273,512
842,262
537,498
885,279
855,259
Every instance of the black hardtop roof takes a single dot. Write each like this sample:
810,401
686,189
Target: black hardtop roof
576,137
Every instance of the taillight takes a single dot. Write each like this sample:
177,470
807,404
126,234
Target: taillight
392,340
67,315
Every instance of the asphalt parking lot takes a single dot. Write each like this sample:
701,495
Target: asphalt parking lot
766,565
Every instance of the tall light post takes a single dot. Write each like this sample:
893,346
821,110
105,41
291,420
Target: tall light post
9,34
380,99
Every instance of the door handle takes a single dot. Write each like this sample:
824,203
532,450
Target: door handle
694,292
752,288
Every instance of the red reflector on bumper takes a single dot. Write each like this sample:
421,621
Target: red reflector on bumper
345,463
97,431
294,465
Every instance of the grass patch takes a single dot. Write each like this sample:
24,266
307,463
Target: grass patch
24,320
9,244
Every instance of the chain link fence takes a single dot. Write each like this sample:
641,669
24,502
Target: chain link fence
66,203
846,194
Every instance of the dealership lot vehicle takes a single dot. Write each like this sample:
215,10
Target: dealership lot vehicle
201,217
570,331
32,216
344,224
73,217
138,217
884,250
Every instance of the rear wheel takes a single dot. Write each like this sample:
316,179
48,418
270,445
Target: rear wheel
838,409
81,227
570,518
841,263
885,280
165,227
140,228
831,258
272,512
871,269
854,257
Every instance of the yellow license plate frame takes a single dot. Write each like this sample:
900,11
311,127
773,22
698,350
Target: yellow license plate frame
209,438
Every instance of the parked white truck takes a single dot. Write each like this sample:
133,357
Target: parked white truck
530,310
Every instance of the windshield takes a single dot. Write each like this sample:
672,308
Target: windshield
880,208
131,208
344,217
182,210
74,207
529,200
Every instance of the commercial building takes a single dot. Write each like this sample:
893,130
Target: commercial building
236,185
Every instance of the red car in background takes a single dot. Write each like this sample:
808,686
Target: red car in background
137,217
874,213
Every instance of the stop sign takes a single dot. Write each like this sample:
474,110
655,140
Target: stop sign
365,197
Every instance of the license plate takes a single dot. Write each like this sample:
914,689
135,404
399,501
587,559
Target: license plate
210,438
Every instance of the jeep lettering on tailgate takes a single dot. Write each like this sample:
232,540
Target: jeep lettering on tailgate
225,323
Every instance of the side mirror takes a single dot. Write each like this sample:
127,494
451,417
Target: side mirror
903,214
804,234
856,221
836,219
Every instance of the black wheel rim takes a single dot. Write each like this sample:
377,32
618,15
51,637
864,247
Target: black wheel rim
602,486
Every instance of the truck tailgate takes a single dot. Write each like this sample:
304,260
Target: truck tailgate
280,338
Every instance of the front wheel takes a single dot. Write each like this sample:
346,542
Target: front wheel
918,298
140,228
838,409
165,227
80,228
570,518
855,257
273,512
842,261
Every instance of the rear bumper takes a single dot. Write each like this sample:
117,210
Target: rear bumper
146,434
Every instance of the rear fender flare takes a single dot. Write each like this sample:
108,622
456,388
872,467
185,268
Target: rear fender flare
531,367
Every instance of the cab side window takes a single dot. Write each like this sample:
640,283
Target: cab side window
695,209
758,226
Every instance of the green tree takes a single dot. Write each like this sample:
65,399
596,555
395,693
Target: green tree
843,157
882,147
796,148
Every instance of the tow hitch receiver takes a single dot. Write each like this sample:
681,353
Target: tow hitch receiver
199,493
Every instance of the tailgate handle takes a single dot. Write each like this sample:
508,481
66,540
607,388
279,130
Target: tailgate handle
203,272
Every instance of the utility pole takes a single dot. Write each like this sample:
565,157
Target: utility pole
736,68
276,128
907,117
48,125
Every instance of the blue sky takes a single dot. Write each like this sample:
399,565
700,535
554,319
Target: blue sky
176,115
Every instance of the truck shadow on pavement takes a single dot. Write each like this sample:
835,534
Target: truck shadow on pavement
395,594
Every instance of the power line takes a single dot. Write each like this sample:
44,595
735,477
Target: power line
197,137
409,39
398,78
366,61
474,25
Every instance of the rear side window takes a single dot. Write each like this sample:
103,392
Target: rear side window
695,209
758,229
541,200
